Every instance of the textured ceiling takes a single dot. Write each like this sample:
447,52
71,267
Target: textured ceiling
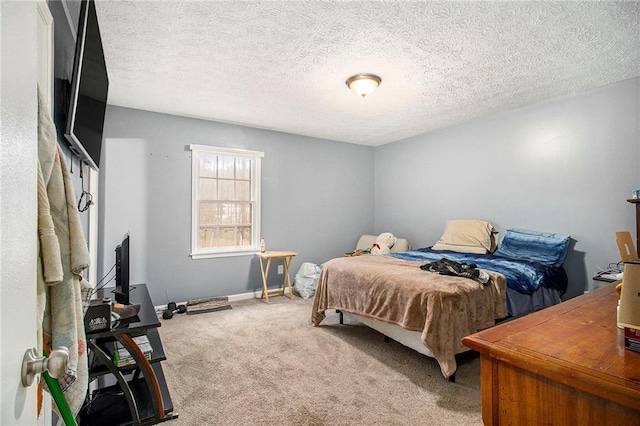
282,65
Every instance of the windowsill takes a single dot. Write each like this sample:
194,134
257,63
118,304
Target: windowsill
196,256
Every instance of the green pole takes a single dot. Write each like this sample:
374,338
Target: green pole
61,401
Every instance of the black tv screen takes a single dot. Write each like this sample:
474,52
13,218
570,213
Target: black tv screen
122,272
89,89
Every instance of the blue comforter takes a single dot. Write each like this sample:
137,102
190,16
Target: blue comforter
521,275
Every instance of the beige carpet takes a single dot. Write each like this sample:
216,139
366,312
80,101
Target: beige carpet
260,364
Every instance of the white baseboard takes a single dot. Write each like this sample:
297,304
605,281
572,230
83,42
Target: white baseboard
232,298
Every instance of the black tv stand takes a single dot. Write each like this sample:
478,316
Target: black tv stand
122,296
134,394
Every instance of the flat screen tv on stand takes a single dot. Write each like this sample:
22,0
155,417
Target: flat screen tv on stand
122,271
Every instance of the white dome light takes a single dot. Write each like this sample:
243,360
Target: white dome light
363,84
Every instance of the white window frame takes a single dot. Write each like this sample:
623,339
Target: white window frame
256,160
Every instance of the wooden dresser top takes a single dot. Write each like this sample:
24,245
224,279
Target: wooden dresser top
575,342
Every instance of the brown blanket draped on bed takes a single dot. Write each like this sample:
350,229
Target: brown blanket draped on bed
443,308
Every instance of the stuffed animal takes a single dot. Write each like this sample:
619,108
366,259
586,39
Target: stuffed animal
383,243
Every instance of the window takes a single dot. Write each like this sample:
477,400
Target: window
225,193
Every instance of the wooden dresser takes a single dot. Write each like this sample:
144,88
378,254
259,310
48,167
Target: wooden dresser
564,365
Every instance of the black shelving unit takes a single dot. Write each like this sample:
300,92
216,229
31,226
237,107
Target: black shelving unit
135,394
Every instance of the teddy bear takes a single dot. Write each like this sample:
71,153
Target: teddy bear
383,243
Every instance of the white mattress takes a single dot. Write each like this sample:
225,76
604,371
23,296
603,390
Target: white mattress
410,339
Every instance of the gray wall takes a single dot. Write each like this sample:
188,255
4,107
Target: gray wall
564,166
317,199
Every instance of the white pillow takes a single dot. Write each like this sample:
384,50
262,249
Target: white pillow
469,233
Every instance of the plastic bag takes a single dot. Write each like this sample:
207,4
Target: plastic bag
307,279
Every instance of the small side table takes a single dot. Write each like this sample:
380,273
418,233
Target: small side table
286,257
601,281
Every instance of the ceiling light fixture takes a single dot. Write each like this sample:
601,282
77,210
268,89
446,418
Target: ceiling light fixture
363,84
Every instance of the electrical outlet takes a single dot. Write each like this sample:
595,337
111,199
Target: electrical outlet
280,269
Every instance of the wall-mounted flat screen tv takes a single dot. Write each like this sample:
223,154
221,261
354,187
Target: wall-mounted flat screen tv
89,89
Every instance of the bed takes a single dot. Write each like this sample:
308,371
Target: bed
531,285
429,312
